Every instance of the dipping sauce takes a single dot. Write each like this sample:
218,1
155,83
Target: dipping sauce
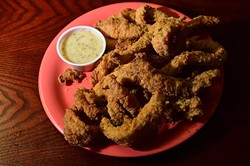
82,46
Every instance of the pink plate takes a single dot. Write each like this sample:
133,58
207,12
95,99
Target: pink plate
56,98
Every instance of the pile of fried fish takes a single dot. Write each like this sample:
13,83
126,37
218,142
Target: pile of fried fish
153,72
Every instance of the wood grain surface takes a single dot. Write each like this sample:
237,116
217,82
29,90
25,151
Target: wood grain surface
27,137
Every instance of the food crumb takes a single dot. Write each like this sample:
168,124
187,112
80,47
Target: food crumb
69,76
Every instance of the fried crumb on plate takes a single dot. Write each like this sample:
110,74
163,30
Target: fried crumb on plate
70,76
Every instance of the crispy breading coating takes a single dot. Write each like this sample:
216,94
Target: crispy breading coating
145,125
138,46
189,107
79,130
141,72
146,14
167,37
70,75
121,103
206,53
199,23
204,80
128,14
107,64
92,105
119,26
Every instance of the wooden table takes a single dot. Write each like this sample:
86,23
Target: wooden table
27,137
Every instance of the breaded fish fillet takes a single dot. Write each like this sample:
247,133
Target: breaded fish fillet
132,131
79,130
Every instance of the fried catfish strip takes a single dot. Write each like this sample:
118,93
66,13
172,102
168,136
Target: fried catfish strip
138,46
164,36
120,26
128,14
121,102
124,44
142,73
205,79
79,130
92,105
146,14
108,63
167,38
204,53
199,22
145,125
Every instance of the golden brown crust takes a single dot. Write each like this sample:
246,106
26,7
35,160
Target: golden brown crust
213,56
69,76
121,103
151,71
79,130
120,26
131,132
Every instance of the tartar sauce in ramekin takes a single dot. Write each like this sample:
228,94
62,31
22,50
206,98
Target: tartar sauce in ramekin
82,46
